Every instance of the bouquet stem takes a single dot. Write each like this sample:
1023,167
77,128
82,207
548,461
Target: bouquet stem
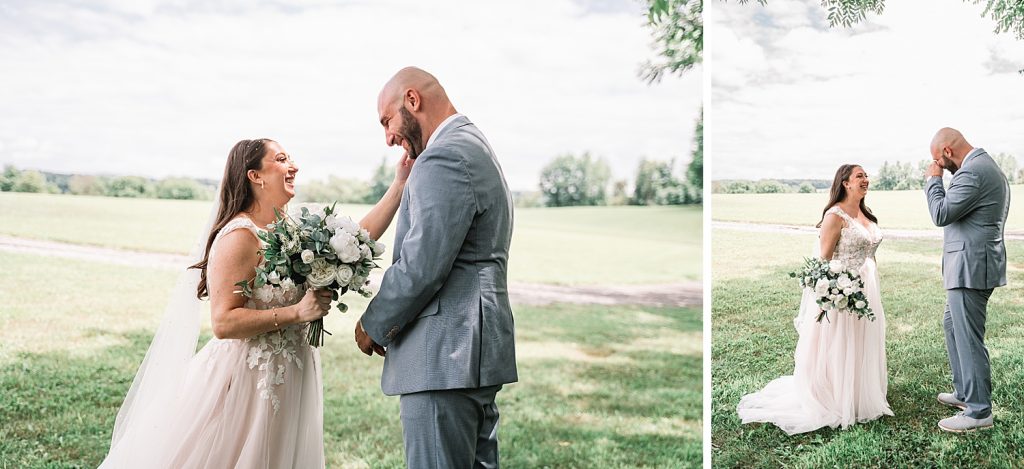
315,336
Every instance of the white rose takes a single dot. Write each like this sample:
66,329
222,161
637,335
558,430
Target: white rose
344,274
322,274
860,304
264,294
357,282
365,253
844,281
345,224
287,284
848,291
821,288
363,235
307,256
835,266
345,246
274,278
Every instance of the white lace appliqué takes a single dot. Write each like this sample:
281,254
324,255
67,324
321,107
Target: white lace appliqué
269,353
857,243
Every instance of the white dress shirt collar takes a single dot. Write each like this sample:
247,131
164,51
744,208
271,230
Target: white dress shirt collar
437,131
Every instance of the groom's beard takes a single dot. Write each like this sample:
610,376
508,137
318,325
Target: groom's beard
949,165
411,132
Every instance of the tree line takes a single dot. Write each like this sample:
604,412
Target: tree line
14,180
896,176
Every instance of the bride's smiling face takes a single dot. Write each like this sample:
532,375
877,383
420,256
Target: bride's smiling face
277,174
857,184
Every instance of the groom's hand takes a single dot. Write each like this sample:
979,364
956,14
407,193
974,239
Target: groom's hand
365,343
934,170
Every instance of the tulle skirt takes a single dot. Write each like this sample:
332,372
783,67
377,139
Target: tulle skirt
243,404
840,376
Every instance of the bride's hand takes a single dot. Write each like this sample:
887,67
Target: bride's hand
314,305
404,168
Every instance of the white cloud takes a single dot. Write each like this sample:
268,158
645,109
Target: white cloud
821,97
166,88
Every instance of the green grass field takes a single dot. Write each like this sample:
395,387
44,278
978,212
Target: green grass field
636,245
600,386
895,209
753,342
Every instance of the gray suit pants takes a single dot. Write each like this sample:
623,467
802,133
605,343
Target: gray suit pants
455,428
964,323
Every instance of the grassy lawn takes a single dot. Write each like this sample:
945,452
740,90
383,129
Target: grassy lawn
600,386
636,244
895,209
754,340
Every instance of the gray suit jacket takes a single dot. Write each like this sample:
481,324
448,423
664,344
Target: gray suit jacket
972,213
443,310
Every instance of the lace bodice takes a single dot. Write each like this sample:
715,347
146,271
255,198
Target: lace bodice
857,242
271,351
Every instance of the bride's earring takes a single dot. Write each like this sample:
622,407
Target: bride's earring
261,185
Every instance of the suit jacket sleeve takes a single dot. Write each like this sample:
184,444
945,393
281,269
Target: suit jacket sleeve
441,210
948,206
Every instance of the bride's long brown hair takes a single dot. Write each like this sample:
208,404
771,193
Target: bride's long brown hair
838,193
236,194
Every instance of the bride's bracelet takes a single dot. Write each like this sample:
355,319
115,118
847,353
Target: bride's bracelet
276,325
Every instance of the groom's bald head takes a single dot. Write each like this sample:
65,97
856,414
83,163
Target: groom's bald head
949,148
411,105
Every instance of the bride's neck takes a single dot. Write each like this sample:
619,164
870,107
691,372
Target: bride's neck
262,214
851,206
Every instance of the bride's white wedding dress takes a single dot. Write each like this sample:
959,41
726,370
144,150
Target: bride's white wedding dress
250,403
840,375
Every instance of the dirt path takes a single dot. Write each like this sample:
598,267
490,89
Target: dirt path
675,294
797,229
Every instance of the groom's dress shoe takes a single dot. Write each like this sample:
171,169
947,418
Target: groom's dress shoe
960,423
950,399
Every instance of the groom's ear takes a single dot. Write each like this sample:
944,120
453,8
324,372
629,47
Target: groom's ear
412,99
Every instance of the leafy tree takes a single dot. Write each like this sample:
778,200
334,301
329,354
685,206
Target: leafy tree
129,186
32,181
678,29
656,185
739,187
619,193
86,185
381,180
346,191
807,188
569,180
695,172
1008,163
1008,14
180,188
8,177
769,186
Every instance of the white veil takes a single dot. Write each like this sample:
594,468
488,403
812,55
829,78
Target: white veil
148,407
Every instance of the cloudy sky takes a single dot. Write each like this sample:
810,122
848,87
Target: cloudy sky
794,99
160,88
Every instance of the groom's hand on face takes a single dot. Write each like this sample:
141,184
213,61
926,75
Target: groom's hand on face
934,170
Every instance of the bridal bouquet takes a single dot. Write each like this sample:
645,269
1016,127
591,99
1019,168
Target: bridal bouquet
317,248
837,289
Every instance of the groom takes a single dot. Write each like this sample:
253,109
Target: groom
442,311
972,212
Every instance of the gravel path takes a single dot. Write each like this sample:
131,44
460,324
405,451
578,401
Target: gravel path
674,294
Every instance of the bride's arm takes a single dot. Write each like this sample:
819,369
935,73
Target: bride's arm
831,227
380,216
234,260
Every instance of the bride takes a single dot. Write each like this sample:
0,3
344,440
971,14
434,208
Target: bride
840,375
252,396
